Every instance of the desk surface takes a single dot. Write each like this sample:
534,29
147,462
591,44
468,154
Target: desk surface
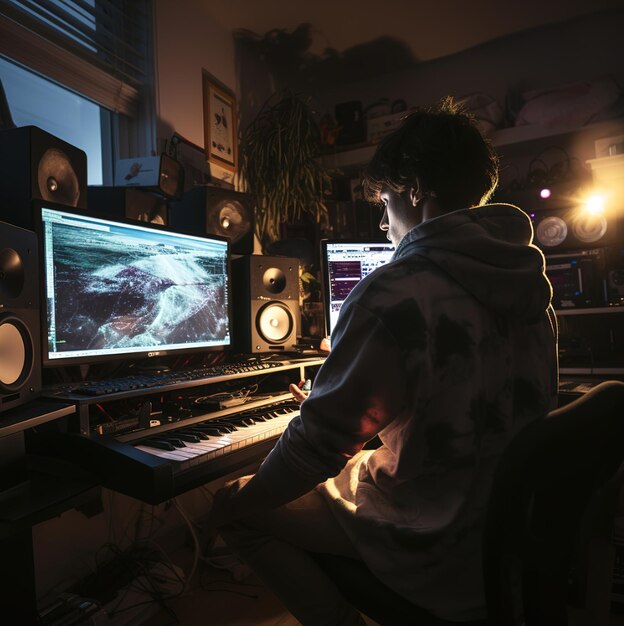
31,414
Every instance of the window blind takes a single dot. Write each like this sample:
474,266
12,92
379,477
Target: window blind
97,48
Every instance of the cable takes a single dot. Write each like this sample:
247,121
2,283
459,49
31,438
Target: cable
197,553
243,392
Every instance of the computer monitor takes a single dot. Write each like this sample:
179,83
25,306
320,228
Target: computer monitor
115,289
344,263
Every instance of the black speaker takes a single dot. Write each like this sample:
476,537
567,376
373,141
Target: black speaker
127,202
350,119
219,212
160,174
36,165
20,331
265,303
614,279
571,228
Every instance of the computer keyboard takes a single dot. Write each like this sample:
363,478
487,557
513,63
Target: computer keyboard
145,381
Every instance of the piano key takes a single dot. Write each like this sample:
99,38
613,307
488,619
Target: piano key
187,437
224,444
163,445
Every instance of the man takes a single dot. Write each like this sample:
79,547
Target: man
444,353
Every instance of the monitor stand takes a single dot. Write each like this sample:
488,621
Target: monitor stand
152,366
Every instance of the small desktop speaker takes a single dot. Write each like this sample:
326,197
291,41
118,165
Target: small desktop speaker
36,165
215,211
135,204
160,174
265,302
20,331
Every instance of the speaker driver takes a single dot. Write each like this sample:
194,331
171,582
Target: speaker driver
57,180
15,353
229,218
551,231
11,274
274,322
274,280
589,228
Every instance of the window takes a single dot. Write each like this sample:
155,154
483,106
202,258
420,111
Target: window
38,102
81,70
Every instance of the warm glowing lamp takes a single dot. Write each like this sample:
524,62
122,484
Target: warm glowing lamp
595,204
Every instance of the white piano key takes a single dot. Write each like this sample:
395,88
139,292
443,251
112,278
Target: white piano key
194,453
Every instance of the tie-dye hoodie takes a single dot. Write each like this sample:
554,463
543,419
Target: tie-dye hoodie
445,352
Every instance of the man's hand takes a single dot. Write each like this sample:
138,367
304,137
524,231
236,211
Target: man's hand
230,504
299,394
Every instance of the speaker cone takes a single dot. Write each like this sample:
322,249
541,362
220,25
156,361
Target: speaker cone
274,322
11,273
57,179
16,353
229,218
551,231
274,280
589,228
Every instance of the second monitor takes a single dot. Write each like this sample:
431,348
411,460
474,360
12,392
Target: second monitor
344,264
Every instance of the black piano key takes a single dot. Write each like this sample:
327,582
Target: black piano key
241,421
256,417
225,426
175,441
215,432
215,428
200,434
186,436
159,443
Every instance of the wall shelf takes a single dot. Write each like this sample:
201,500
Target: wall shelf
361,154
590,310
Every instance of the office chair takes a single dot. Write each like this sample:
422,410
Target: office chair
554,490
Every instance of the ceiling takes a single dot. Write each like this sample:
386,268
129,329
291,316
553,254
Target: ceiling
430,29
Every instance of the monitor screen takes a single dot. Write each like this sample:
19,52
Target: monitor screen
344,264
115,289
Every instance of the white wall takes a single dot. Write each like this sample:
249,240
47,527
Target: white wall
579,49
188,39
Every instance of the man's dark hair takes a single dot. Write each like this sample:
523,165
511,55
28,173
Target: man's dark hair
445,149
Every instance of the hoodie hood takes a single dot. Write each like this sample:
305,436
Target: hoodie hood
489,251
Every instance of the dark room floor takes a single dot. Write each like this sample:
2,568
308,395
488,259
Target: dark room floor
216,599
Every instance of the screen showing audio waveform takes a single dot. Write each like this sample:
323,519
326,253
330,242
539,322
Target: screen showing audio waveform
116,289
345,264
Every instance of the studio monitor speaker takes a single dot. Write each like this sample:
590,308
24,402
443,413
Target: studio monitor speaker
571,228
20,346
135,204
615,274
36,165
211,210
265,303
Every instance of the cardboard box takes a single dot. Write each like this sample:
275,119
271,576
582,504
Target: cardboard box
609,146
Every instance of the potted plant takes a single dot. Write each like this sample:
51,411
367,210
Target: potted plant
280,165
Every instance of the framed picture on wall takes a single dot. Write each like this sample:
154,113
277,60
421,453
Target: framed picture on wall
220,133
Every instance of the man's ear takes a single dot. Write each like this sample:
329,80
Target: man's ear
415,194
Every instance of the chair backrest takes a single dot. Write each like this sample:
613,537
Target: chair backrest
543,486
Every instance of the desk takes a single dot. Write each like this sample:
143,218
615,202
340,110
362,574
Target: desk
32,489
